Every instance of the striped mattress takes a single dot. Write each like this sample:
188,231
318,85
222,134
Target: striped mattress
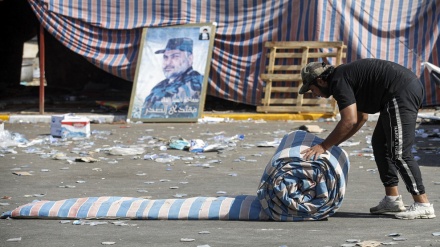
291,189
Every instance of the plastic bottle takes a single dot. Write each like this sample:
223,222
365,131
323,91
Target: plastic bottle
196,146
239,137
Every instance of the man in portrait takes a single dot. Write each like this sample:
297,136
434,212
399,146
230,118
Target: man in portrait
178,95
204,35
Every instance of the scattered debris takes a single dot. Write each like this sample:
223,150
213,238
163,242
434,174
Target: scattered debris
86,159
67,186
108,243
399,239
22,173
370,243
311,128
349,144
126,151
187,240
353,240
89,222
14,239
275,143
389,243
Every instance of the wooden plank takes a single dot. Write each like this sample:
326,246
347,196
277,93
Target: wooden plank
289,55
299,109
286,68
267,93
280,77
341,54
304,61
272,57
293,89
292,101
311,55
299,44
268,87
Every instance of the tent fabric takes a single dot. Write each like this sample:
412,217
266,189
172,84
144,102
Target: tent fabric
107,207
320,188
432,92
108,32
293,189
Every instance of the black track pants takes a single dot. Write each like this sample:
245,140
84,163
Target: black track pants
393,139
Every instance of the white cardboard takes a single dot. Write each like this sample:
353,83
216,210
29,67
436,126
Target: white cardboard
55,125
75,127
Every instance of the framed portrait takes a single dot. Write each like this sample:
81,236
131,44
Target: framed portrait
172,73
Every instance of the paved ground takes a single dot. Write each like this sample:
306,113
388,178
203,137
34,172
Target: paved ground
125,176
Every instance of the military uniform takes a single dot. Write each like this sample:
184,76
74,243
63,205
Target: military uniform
177,99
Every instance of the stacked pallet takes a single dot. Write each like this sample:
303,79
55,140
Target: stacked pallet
283,76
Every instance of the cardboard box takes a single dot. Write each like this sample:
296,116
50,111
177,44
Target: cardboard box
55,125
75,127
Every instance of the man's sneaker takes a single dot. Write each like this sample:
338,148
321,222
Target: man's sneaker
417,211
387,206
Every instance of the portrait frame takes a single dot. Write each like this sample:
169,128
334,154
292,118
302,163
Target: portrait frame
172,73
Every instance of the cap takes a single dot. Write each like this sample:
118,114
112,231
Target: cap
183,44
309,74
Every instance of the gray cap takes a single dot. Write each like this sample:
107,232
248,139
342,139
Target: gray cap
309,74
183,44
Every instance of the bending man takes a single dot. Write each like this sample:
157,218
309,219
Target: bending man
368,86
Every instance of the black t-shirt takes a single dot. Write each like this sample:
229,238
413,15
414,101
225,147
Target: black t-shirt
369,83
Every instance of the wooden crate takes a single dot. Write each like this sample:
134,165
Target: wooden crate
283,76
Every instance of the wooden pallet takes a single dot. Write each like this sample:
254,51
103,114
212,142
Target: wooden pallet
283,76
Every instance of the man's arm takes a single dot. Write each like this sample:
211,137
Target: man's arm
361,119
351,121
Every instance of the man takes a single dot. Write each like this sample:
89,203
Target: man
204,35
177,96
365,87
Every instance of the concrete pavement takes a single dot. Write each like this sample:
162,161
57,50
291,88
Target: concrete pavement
126,176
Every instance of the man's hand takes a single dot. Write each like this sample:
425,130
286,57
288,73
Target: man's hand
316,151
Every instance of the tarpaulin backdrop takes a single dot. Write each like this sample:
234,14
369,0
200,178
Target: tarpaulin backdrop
107,33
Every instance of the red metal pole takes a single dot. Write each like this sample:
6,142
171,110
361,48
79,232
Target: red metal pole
42,76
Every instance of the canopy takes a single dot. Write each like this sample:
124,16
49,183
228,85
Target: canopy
107,33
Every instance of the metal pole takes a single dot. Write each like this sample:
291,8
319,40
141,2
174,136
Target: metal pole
42,76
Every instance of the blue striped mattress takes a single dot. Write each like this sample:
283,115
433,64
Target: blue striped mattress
291,189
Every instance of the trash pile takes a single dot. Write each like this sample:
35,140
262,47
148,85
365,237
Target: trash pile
51,146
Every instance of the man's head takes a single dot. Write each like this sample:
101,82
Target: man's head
314,77
177,57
